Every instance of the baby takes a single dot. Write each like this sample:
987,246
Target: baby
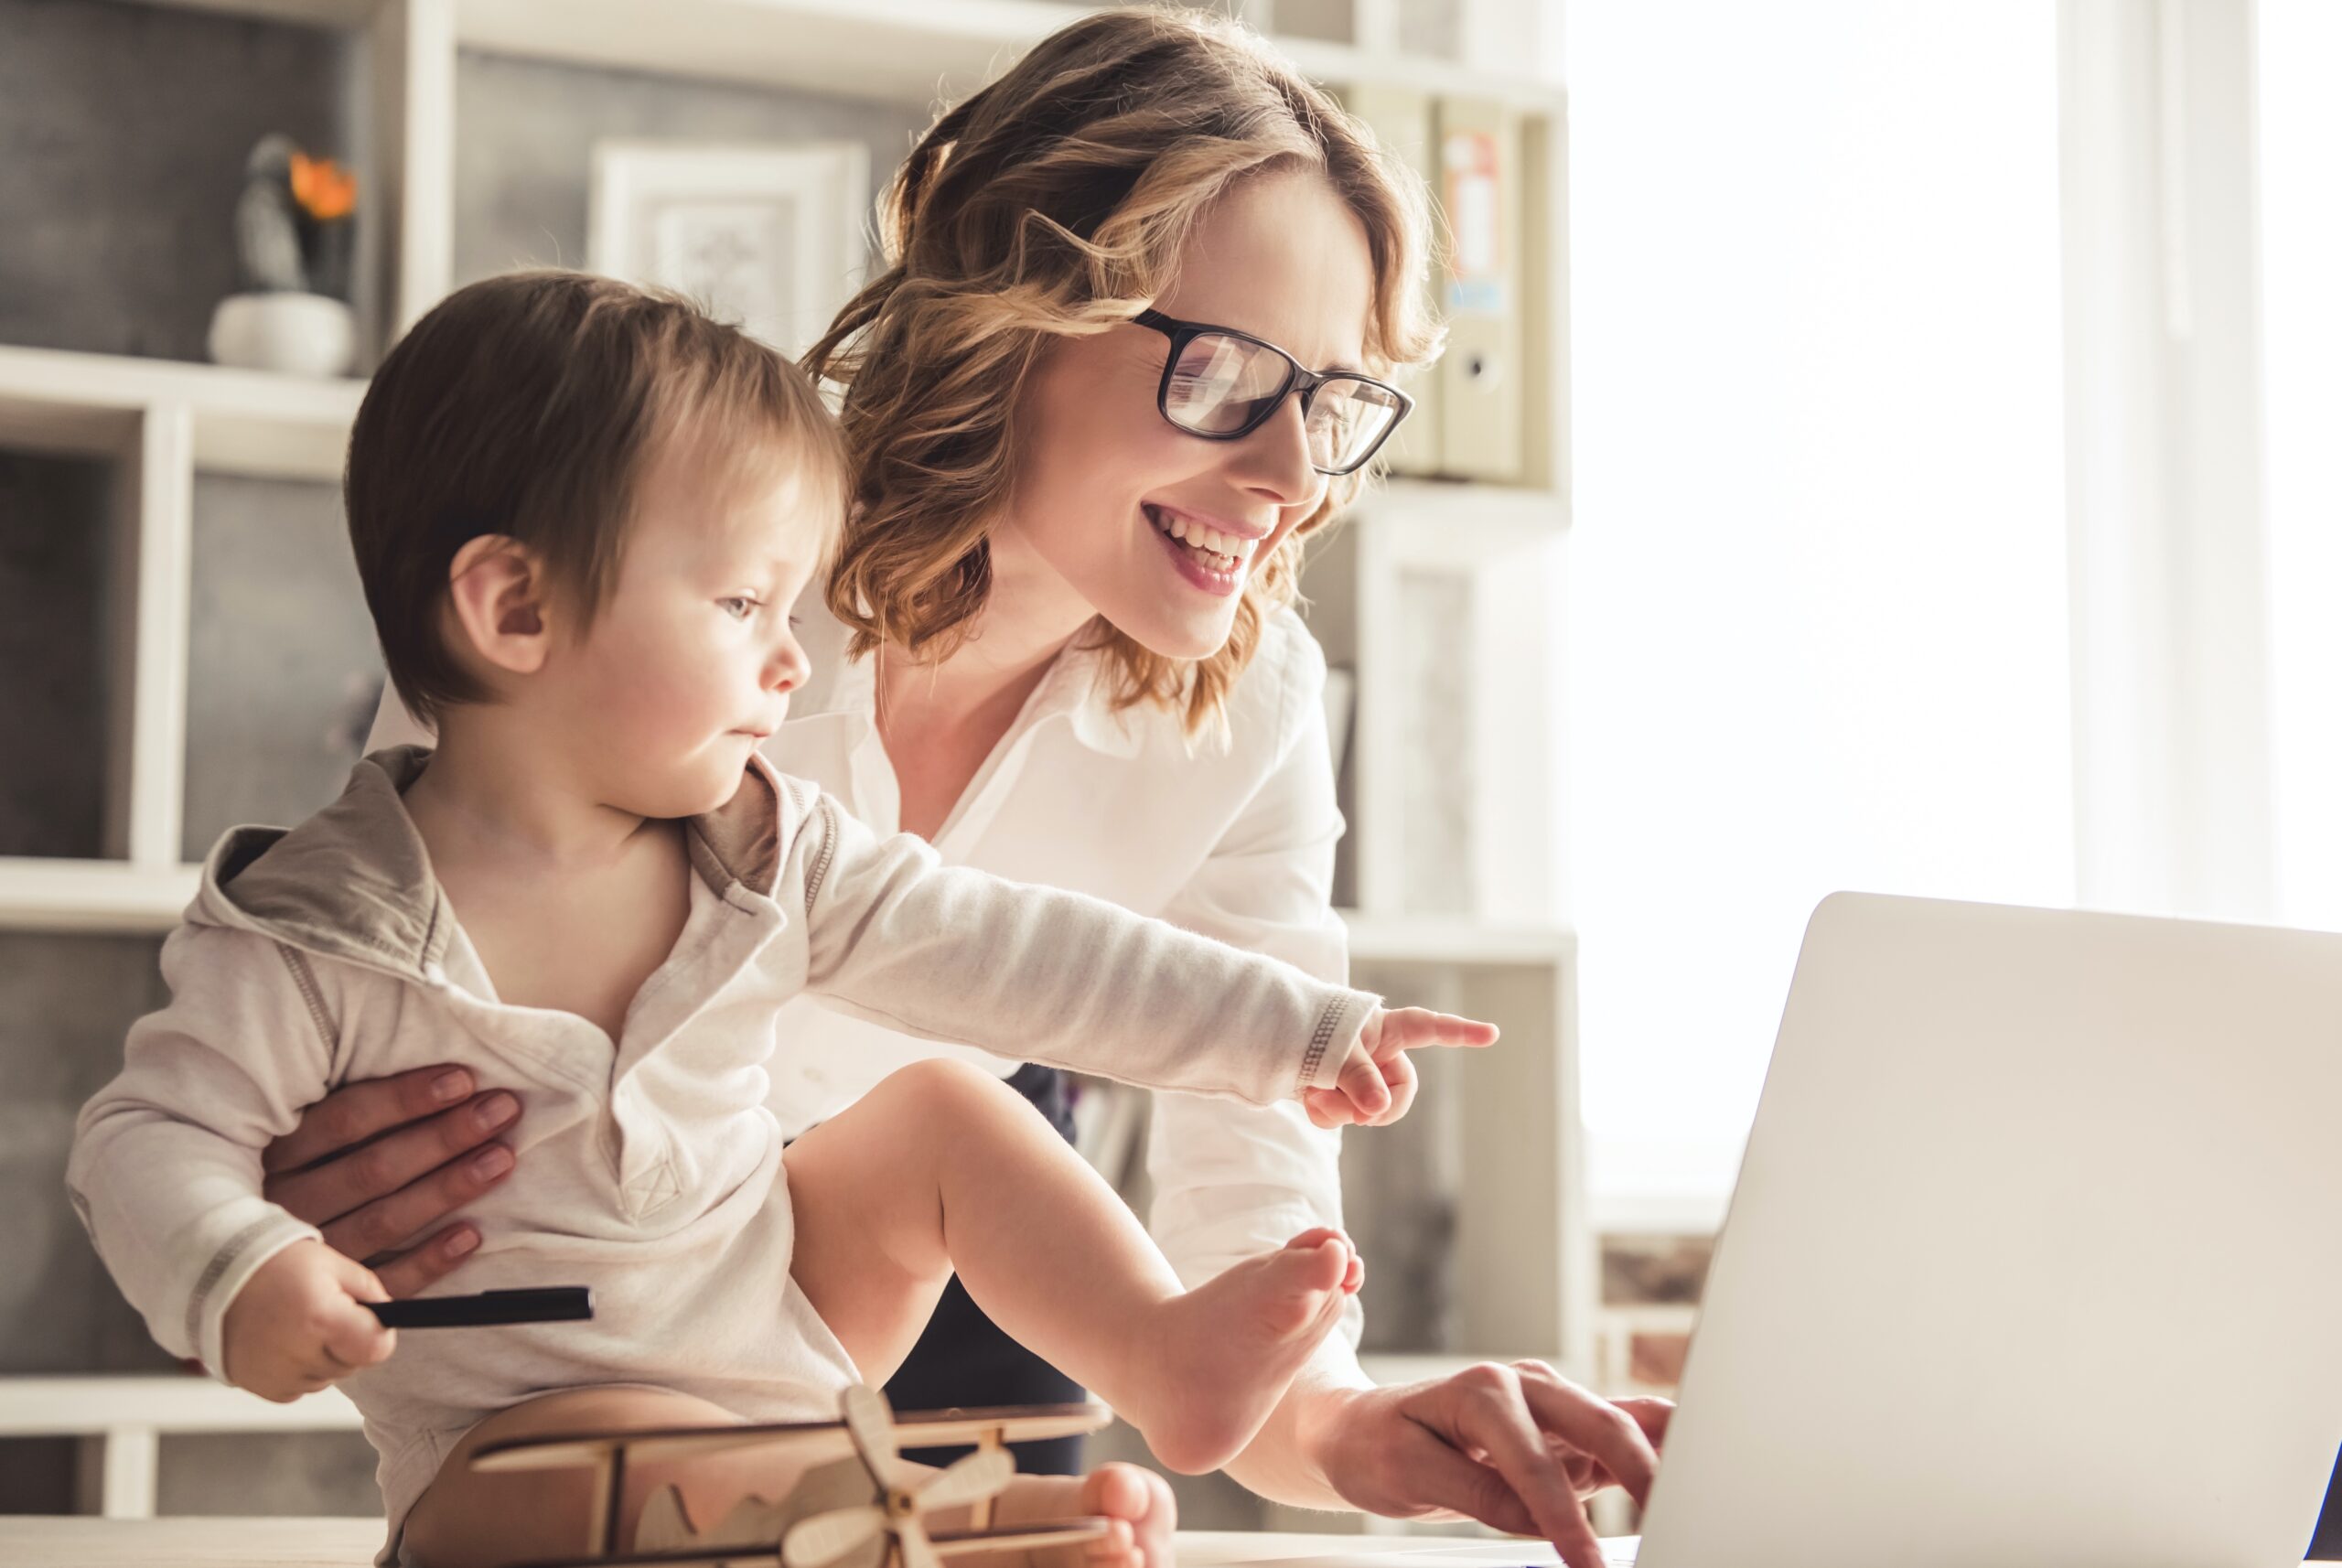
581,513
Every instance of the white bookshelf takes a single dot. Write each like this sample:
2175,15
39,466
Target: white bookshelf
1525,1266
240,422
93,895
158,423
911,51
1525,1260
1401,939
121,1421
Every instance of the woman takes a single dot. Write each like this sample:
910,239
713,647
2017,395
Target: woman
1128,355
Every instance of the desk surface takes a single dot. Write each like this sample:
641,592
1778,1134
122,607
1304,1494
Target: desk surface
51,1542
54,1542
35,1540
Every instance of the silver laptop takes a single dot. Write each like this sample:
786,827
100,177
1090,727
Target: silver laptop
2036,1256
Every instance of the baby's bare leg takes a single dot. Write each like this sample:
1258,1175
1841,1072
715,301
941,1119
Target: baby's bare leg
942,1167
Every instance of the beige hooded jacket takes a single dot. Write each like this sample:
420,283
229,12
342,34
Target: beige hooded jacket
650,1165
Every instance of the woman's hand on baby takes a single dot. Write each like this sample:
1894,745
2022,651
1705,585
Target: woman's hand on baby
1377,1083
378,1162
298,1323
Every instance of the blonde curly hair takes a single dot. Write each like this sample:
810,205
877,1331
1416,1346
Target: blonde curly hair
1054,204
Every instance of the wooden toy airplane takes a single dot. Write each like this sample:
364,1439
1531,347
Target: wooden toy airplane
857,1504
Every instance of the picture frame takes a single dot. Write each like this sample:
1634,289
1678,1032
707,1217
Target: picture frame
769,236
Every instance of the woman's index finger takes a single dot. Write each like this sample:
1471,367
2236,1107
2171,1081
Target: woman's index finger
357,1111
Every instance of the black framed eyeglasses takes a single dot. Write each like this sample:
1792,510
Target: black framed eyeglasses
1223,384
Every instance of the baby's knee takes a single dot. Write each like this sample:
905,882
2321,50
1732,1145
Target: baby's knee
941,1091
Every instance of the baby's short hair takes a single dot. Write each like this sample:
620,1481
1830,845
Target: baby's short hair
530,405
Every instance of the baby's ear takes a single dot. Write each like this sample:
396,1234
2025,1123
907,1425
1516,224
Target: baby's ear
500,597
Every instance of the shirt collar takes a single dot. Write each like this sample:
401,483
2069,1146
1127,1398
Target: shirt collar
354,882
1080,685
1077,687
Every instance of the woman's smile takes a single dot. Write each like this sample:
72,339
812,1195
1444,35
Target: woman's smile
1213,560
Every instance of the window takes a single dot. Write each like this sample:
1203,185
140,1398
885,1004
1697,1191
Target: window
2300,137
1818,606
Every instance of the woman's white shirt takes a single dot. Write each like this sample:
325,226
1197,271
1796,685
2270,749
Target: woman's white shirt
1232,837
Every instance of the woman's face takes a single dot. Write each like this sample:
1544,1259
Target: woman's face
1108,485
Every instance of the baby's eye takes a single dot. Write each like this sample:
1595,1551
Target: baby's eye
795,622
740,607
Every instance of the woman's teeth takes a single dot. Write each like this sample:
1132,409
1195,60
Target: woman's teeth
1220,552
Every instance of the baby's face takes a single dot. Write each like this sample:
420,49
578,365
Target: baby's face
689,665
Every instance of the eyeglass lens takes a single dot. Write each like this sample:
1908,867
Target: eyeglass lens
1221,384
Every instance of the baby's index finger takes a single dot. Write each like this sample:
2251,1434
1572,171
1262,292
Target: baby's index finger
1413,1028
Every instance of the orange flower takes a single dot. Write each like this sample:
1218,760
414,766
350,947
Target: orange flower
324,188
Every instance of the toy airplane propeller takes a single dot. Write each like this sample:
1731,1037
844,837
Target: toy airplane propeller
818,1541
853,1491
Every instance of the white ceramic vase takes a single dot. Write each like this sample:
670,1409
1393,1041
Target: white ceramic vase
300,334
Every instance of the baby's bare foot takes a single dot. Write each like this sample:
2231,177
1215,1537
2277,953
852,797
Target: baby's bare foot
1226,1351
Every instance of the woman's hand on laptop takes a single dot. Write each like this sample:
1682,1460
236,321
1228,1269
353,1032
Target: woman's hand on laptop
1513,1446
376,1164
1377,1083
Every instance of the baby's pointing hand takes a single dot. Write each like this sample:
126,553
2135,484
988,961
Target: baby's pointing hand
1377,1083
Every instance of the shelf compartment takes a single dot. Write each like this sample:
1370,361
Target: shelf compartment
128,128
531,127
61,618
1441,605
1478,1196
282,673
125,1418
131,615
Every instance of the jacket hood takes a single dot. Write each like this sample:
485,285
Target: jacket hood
354,882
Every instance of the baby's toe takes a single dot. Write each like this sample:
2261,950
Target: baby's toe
1315,1236
1116,1491
1316,1267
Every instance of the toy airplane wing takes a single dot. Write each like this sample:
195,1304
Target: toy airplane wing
943,1543
813,1441
853,1502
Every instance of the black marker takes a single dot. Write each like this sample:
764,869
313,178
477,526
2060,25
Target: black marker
552,1304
